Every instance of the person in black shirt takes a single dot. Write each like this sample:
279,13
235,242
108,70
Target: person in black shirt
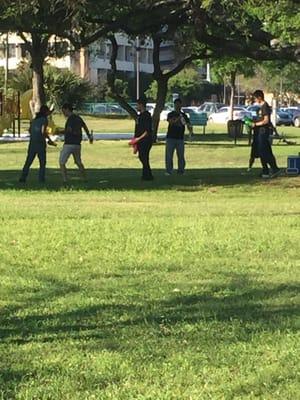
144,139
73,138
175,137
263,129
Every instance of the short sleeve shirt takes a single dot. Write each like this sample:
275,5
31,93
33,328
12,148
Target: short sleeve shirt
36,131
261,113
73,129
144,124
264,110
176,129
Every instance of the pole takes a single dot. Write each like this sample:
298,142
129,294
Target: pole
14,117
208,72
137,67
6,64
238,89
281,84
19,113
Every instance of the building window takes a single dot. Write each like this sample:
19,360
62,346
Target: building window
143,56
101,75
150,56
121,53
11,50
102,49
108,51
129,53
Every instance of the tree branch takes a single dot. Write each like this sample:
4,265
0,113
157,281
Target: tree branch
111,79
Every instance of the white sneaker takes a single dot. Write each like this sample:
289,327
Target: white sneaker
168,174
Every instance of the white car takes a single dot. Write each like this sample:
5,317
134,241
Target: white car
164,113
222,116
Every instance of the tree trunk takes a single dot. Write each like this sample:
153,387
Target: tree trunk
111,80
38,51
162,90
38,96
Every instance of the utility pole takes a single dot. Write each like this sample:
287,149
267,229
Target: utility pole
208,78
6,63
137,67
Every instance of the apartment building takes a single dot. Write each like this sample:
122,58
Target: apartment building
93,63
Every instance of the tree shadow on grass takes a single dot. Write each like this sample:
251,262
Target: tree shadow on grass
129,179
221,314
257,307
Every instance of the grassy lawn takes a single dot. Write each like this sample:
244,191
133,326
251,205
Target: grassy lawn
183,288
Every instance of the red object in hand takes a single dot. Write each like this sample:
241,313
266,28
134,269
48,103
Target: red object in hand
133,143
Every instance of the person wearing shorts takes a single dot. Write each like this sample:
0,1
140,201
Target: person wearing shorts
72,143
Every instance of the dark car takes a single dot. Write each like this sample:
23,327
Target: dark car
282,117
295,114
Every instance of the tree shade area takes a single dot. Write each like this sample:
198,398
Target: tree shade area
173,289
184,287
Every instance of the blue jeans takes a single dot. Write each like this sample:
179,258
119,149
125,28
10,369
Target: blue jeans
265,151
33,151
171,146
144,147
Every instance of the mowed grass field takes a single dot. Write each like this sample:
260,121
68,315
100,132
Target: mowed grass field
183,288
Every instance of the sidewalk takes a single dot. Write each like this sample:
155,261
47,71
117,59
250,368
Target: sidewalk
8,137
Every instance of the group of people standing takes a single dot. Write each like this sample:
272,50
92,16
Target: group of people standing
177,123
261,145
178,120
72,142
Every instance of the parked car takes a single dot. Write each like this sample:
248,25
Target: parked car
222,115
210,107
164,113
150,107
189,110
115,109
282,117
295,114
99,109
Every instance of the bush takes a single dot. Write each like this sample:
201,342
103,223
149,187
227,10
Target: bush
61,86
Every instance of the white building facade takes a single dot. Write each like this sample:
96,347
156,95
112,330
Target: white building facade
93,63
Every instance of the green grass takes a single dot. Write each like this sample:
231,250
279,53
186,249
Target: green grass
184,288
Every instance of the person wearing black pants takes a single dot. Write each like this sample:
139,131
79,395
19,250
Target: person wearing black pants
263,129
144,139
37,144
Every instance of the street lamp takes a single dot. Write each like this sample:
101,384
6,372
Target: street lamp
137,47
